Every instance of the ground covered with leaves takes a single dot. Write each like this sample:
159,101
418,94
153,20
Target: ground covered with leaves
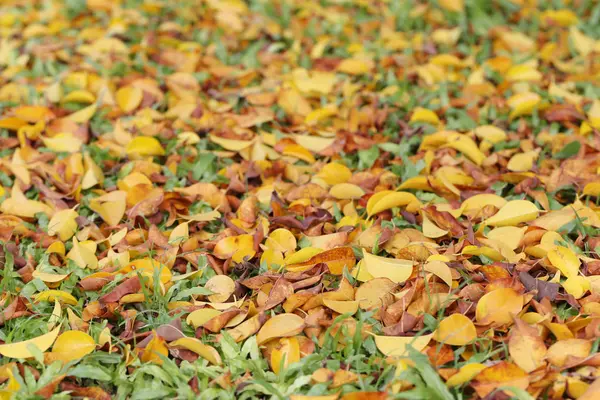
349,199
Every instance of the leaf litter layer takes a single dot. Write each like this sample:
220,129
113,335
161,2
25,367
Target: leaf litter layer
314,200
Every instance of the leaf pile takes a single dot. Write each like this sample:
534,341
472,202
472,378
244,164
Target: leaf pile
299,199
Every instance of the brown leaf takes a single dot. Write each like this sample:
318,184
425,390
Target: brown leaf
544,289
563,113
129,286
280,291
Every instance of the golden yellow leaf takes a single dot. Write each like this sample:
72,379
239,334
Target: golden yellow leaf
287,353
498,306
21,350
195,345
55,295
63,224
84,115
565,260
346,191
70,346
465,374
455,330
558,354
421,114
397,346
154,350
281,325
110,207
391,200
514,213
355,66
129,98
398,271
222,286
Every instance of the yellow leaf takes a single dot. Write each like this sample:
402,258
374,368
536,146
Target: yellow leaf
562,17
281,240
555,219
448,37
465,374
523,104
21,206
272,258
32,114
346,191
295,150
513,213
510,235
583,44
467,146
84,115
302,255
455,330
56,295
498,306
70,346
129,98
292,102
396,346
335,173
180,234
288,351
144,146
63,143
235,247
315,144
321,114
230,144
421,114
398,271
558,354
342,306
592,189
21,350
526,346
490,133
577,286
57,247
475,203
83,254
55,316
281,325
523,73
565,260
431,230
390,200
199,317
63,224
154,350
522,162
222,286
111,206
203,350
93,173
79,96
439,269
452,5
355,66
12,386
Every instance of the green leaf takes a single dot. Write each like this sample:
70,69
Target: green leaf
90,372
184,294
366,158
568,151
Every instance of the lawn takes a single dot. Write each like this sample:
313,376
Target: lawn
286,199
